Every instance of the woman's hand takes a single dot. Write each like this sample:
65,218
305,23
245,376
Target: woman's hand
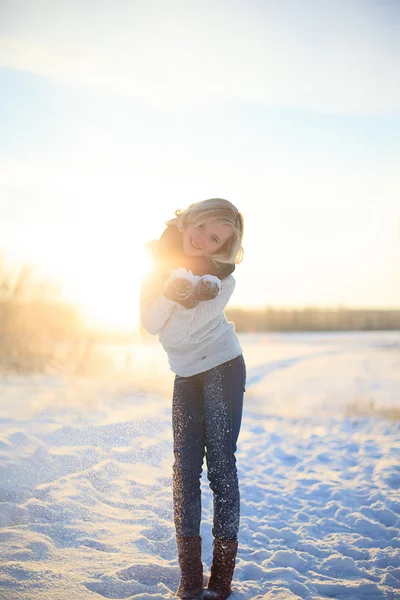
188,290
207,288
180,290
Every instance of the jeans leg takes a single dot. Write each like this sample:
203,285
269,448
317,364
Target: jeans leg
188,443
224,388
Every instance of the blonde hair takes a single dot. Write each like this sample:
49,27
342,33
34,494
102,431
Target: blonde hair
211,209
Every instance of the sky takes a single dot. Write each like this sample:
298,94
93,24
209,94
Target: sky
113,115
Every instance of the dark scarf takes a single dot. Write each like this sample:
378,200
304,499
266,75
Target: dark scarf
169,254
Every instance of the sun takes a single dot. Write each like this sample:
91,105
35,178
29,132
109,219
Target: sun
97,273
96,268
112,301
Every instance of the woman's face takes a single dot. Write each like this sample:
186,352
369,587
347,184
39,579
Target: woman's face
205,239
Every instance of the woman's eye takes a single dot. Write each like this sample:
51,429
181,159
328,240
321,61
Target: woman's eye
214,240
201,226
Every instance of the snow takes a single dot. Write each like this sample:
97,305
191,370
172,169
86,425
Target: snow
86,465
212,280
181,273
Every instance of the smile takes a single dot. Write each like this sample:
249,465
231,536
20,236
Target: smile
195,245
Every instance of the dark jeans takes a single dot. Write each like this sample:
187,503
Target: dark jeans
206,419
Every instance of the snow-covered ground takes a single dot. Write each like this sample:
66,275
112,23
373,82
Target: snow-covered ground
85,479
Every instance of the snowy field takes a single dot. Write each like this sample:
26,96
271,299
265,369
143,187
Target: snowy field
86,464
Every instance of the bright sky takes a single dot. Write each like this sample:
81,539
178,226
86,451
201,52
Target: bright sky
112,115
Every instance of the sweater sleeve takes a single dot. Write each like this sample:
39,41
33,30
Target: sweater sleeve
155,308
186,322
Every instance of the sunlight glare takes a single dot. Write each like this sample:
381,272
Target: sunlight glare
146,264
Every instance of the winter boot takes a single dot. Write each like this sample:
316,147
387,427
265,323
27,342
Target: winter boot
189,556
223,565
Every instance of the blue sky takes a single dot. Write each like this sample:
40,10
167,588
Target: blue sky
112,116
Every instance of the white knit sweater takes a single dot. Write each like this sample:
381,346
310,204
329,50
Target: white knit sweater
195,339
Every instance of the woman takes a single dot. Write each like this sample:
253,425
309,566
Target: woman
183,302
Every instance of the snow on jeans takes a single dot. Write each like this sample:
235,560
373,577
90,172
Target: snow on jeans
206,419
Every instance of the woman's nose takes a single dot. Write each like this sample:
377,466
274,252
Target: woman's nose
200,241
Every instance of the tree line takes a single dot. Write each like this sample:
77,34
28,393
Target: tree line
39,331
340,318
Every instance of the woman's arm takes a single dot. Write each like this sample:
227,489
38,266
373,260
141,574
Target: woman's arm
184,322
155,308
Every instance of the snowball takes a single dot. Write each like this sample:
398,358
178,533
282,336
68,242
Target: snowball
212,280
183,274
